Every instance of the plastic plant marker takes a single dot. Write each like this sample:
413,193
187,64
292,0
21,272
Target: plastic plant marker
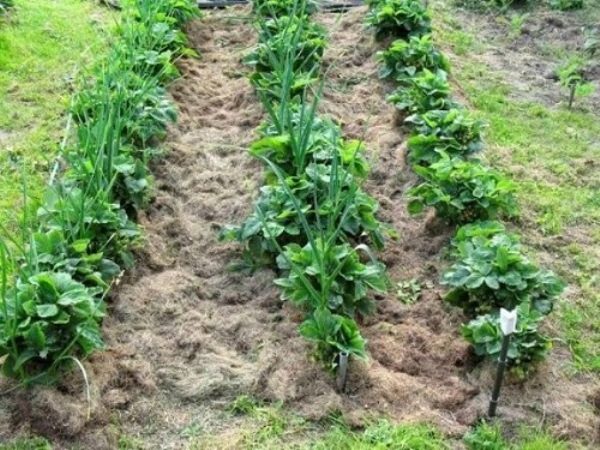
508,325
342,371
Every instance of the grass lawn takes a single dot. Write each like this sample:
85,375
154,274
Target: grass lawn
44,44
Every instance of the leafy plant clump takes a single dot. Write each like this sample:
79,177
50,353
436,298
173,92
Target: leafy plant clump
527,345
453,132
409,291
462,191
46,318
333,334
288,56
571,76
347,288
398,18
312,217
279,8
492,272
51,307
423,92
405,58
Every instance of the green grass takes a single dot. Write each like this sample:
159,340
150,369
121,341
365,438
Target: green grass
552,153
43,45
27,444
489,437
263,426
381,435
268,426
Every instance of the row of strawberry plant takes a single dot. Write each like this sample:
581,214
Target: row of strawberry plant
57,274
491,271
312,221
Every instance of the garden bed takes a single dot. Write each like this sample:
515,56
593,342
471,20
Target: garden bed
186,335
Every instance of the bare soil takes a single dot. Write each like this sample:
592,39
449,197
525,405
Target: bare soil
528,57
186,336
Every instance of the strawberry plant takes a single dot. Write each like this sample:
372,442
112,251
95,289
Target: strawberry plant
348,209
44,319
51,251
452,131
423,92
279,8
299,137
462,191
277,35
52,306
138,105
287,58
399,18
95,219
150,37
527,344
405,58
178,12
333,334
491,272
346,286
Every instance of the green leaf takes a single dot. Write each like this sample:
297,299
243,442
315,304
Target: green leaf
492,282
81,245
415,206
22,359
36,336
45,311
62,319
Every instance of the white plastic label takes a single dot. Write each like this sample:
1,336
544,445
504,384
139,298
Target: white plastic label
508,321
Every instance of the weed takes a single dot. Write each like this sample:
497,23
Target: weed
516,23
571,76
382,435
409,292
485,436
566,5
